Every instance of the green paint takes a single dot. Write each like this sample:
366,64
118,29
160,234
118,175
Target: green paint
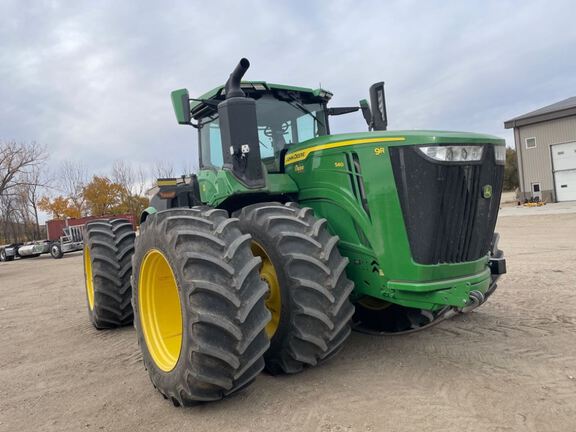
377,244
180,100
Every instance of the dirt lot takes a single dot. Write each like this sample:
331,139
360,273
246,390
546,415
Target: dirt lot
510,366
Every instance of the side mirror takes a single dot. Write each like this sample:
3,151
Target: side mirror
181,105
366,112
378,103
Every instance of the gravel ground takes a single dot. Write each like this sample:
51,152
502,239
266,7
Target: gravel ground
509,366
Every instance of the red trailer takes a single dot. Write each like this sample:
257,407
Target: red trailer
55,227
66,235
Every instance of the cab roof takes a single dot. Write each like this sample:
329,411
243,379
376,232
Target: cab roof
200,109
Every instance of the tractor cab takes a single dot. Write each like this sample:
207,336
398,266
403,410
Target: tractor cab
246,128
285,116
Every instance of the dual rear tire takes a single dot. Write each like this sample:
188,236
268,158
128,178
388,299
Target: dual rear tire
199,305
309,289
216,299
108,249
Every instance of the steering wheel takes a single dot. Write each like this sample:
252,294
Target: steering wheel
283,128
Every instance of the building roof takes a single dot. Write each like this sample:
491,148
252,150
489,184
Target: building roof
564,108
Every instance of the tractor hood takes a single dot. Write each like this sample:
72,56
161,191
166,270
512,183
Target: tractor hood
392,138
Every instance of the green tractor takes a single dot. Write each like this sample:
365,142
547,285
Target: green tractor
288,237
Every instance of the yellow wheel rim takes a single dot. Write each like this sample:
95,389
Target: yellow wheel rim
273,299
88,278
159,310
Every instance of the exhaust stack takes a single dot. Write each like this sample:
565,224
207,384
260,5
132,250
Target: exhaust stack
239,131
232,86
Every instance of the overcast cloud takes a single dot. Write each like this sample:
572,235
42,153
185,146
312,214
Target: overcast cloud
91,80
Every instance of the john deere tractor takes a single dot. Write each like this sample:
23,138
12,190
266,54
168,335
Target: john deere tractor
290,236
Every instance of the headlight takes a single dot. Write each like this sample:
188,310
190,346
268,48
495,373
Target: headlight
454,153
500,154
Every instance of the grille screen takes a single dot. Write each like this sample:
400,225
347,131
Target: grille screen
447,218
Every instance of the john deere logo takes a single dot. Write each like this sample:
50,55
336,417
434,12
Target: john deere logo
487,191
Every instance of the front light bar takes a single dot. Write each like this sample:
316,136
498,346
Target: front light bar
454,153
500,154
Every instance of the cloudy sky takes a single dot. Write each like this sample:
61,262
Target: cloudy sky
91,80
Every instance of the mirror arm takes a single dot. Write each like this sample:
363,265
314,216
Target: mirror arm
342,110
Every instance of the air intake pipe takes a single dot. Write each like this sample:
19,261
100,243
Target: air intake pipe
239,131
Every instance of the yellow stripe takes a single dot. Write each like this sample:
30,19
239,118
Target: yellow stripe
300,155
167,182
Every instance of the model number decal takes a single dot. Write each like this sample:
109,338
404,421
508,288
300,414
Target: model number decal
339,164
379,151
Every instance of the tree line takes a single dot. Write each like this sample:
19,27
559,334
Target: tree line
122,192
29,184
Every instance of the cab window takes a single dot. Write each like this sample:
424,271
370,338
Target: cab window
280,125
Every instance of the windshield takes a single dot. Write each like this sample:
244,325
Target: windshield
280,124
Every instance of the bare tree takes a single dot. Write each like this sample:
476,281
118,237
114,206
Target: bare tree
123,174
133,182
17,159
72,180
20,166
189,167
164,169
30,193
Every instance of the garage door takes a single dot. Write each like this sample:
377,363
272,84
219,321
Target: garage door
564,159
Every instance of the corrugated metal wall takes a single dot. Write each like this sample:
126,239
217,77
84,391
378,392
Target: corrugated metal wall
536,162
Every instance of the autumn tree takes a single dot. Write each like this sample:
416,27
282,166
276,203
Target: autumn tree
59,207
102,196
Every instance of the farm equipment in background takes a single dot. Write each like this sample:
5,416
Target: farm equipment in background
71,241
288,236
64,236
31,249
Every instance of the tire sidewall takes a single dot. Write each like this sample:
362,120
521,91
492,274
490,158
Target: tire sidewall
150,238
268,243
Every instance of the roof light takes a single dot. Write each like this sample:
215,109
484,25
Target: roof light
455,153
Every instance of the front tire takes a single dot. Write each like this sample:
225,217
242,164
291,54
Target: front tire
309,289
199,305
108,249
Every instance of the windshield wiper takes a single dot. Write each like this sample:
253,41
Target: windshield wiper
295,103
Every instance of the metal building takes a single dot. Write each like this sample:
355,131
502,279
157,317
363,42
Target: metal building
546,149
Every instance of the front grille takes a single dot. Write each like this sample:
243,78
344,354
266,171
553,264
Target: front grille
446,217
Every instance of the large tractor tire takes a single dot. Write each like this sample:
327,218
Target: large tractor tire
308,287
199,305
108,249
